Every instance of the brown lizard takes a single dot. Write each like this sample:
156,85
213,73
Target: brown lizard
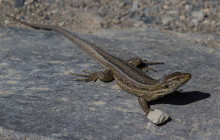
128,74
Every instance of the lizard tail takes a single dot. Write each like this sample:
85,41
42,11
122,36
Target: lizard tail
35,26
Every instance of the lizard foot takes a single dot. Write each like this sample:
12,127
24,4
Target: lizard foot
105,76
145,65
142,63
90,76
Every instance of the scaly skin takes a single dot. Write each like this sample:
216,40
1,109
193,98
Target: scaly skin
128,74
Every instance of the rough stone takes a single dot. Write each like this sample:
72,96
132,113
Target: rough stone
39,97
135,6
195,21
198,14
27,2
19,3
166,20
157,116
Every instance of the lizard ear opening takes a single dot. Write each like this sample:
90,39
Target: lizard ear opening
170,83
161,79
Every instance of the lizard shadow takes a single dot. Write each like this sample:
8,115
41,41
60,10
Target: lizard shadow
181,98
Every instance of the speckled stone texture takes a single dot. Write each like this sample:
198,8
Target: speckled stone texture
39,98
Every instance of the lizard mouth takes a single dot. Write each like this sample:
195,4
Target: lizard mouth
187,77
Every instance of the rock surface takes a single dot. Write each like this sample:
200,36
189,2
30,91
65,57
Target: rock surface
38,96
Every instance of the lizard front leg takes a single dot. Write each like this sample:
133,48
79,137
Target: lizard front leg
142,63
105,76
143,101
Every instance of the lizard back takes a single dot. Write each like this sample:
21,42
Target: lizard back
119,67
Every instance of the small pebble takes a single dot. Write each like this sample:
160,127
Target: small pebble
198,14
167,20
157,117
135,5
19,3
27,2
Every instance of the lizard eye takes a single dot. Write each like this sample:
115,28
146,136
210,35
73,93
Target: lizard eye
178,79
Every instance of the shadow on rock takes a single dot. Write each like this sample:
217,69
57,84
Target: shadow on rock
181,98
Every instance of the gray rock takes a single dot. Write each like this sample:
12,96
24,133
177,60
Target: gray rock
78,4
19,3
198,14
135,6
173,12
146,11
38,96
27,2
167,19
6,134
188,7
195,21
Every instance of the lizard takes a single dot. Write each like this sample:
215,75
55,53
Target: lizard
129,75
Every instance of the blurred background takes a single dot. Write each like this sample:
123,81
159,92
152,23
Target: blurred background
196,20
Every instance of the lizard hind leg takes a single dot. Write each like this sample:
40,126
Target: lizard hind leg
142,64
105,76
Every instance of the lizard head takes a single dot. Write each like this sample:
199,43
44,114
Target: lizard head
170,83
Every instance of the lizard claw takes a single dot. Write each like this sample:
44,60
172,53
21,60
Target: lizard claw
148,68
145,64
86,71
91,76
151,63
142,63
